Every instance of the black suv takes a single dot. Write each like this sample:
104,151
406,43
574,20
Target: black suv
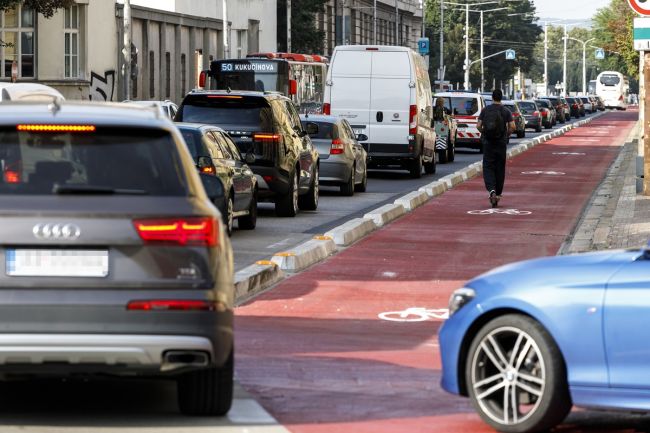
267,130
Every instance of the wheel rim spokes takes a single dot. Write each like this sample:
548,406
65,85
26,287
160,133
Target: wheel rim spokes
508,375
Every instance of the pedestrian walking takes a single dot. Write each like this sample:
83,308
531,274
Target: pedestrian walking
496,125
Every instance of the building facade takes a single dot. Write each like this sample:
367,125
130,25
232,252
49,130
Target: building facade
398,22
79,49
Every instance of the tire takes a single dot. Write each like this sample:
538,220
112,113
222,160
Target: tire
347,188
538,129
309,201
228,219
521,134
363,186
430,167
451,152
287,205
442,156
545,398
208,391
249,221
415,168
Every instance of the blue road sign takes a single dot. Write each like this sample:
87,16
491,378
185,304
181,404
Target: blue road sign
600,54
423,46
510,55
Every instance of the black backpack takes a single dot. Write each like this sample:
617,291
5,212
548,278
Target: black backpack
494,127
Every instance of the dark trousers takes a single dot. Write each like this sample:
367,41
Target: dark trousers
494,166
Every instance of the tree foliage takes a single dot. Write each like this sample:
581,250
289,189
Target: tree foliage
613,29
305,37
45,7
501,32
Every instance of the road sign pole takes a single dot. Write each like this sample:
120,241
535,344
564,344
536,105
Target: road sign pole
646,125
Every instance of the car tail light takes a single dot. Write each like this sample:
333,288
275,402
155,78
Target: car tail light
575,105
201,231
327,109
337,147
268,178
203,77
210,169
544,113
267,137
11,176
173,305
413,119
56,128
515,114
225,97
536,113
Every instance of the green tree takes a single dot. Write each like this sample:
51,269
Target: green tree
44,7
501,32
305,37
613,30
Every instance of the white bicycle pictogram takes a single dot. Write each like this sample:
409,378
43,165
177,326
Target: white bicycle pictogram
415,314
551,173
499,211
569,153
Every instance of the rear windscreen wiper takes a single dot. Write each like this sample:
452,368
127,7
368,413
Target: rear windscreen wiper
93,190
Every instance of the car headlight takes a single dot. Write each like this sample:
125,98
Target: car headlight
459,298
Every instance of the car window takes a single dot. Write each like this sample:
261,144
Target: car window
212,145
252,113
294,118
234,151
193,139
348,128
223,147
510,107
542,103
173,109
32,163
527,106
464,106
326,130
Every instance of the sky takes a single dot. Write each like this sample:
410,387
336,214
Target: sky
568,9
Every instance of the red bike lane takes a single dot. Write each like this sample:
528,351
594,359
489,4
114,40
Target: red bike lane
315,353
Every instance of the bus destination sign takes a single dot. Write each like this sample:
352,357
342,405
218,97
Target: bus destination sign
258,67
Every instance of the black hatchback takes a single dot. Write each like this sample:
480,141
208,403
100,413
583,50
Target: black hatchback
267,130
113,260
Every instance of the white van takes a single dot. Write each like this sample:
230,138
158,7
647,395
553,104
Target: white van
385,94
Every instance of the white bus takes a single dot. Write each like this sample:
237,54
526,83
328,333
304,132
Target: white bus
614,88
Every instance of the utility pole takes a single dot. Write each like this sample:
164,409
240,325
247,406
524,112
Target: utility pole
466,47
225,28
646,124
584,62
374,24
288,26
126,51
545,57
564,67
396,22
442,43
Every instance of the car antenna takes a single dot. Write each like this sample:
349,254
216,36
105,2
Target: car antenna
228,89
55,106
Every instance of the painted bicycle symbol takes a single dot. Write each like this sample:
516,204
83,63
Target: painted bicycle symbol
551,173
569,153
415,314
499,211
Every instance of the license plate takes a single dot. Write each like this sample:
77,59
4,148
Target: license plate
56,263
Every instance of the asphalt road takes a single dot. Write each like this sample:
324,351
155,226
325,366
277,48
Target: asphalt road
274,234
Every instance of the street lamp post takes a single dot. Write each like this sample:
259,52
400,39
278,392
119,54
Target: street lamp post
566,36
584,61
466,6
546,23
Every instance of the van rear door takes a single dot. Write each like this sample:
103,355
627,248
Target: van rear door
390,99
350,89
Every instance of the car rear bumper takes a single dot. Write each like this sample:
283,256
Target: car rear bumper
334,171
94,353
270,181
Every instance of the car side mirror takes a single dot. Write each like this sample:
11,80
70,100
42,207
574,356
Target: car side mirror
203,162
311,128
250,158
362,137
212,185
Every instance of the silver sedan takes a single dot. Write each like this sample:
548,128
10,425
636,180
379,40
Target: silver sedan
342,158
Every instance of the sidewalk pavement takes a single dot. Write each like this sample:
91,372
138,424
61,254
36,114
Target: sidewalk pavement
616,216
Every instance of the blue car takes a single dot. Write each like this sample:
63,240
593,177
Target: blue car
528,340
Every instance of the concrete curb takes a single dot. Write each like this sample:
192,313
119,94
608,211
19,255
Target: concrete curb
434,188
413,200
255,278
385,214
304,255
351,231
452,180
264,274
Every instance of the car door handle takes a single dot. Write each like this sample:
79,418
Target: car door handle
380,116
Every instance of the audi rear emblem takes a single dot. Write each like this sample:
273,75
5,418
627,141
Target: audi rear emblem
56,231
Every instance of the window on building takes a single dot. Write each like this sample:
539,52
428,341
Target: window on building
168,75
17,32
253,36
183,74
71,28
241,37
